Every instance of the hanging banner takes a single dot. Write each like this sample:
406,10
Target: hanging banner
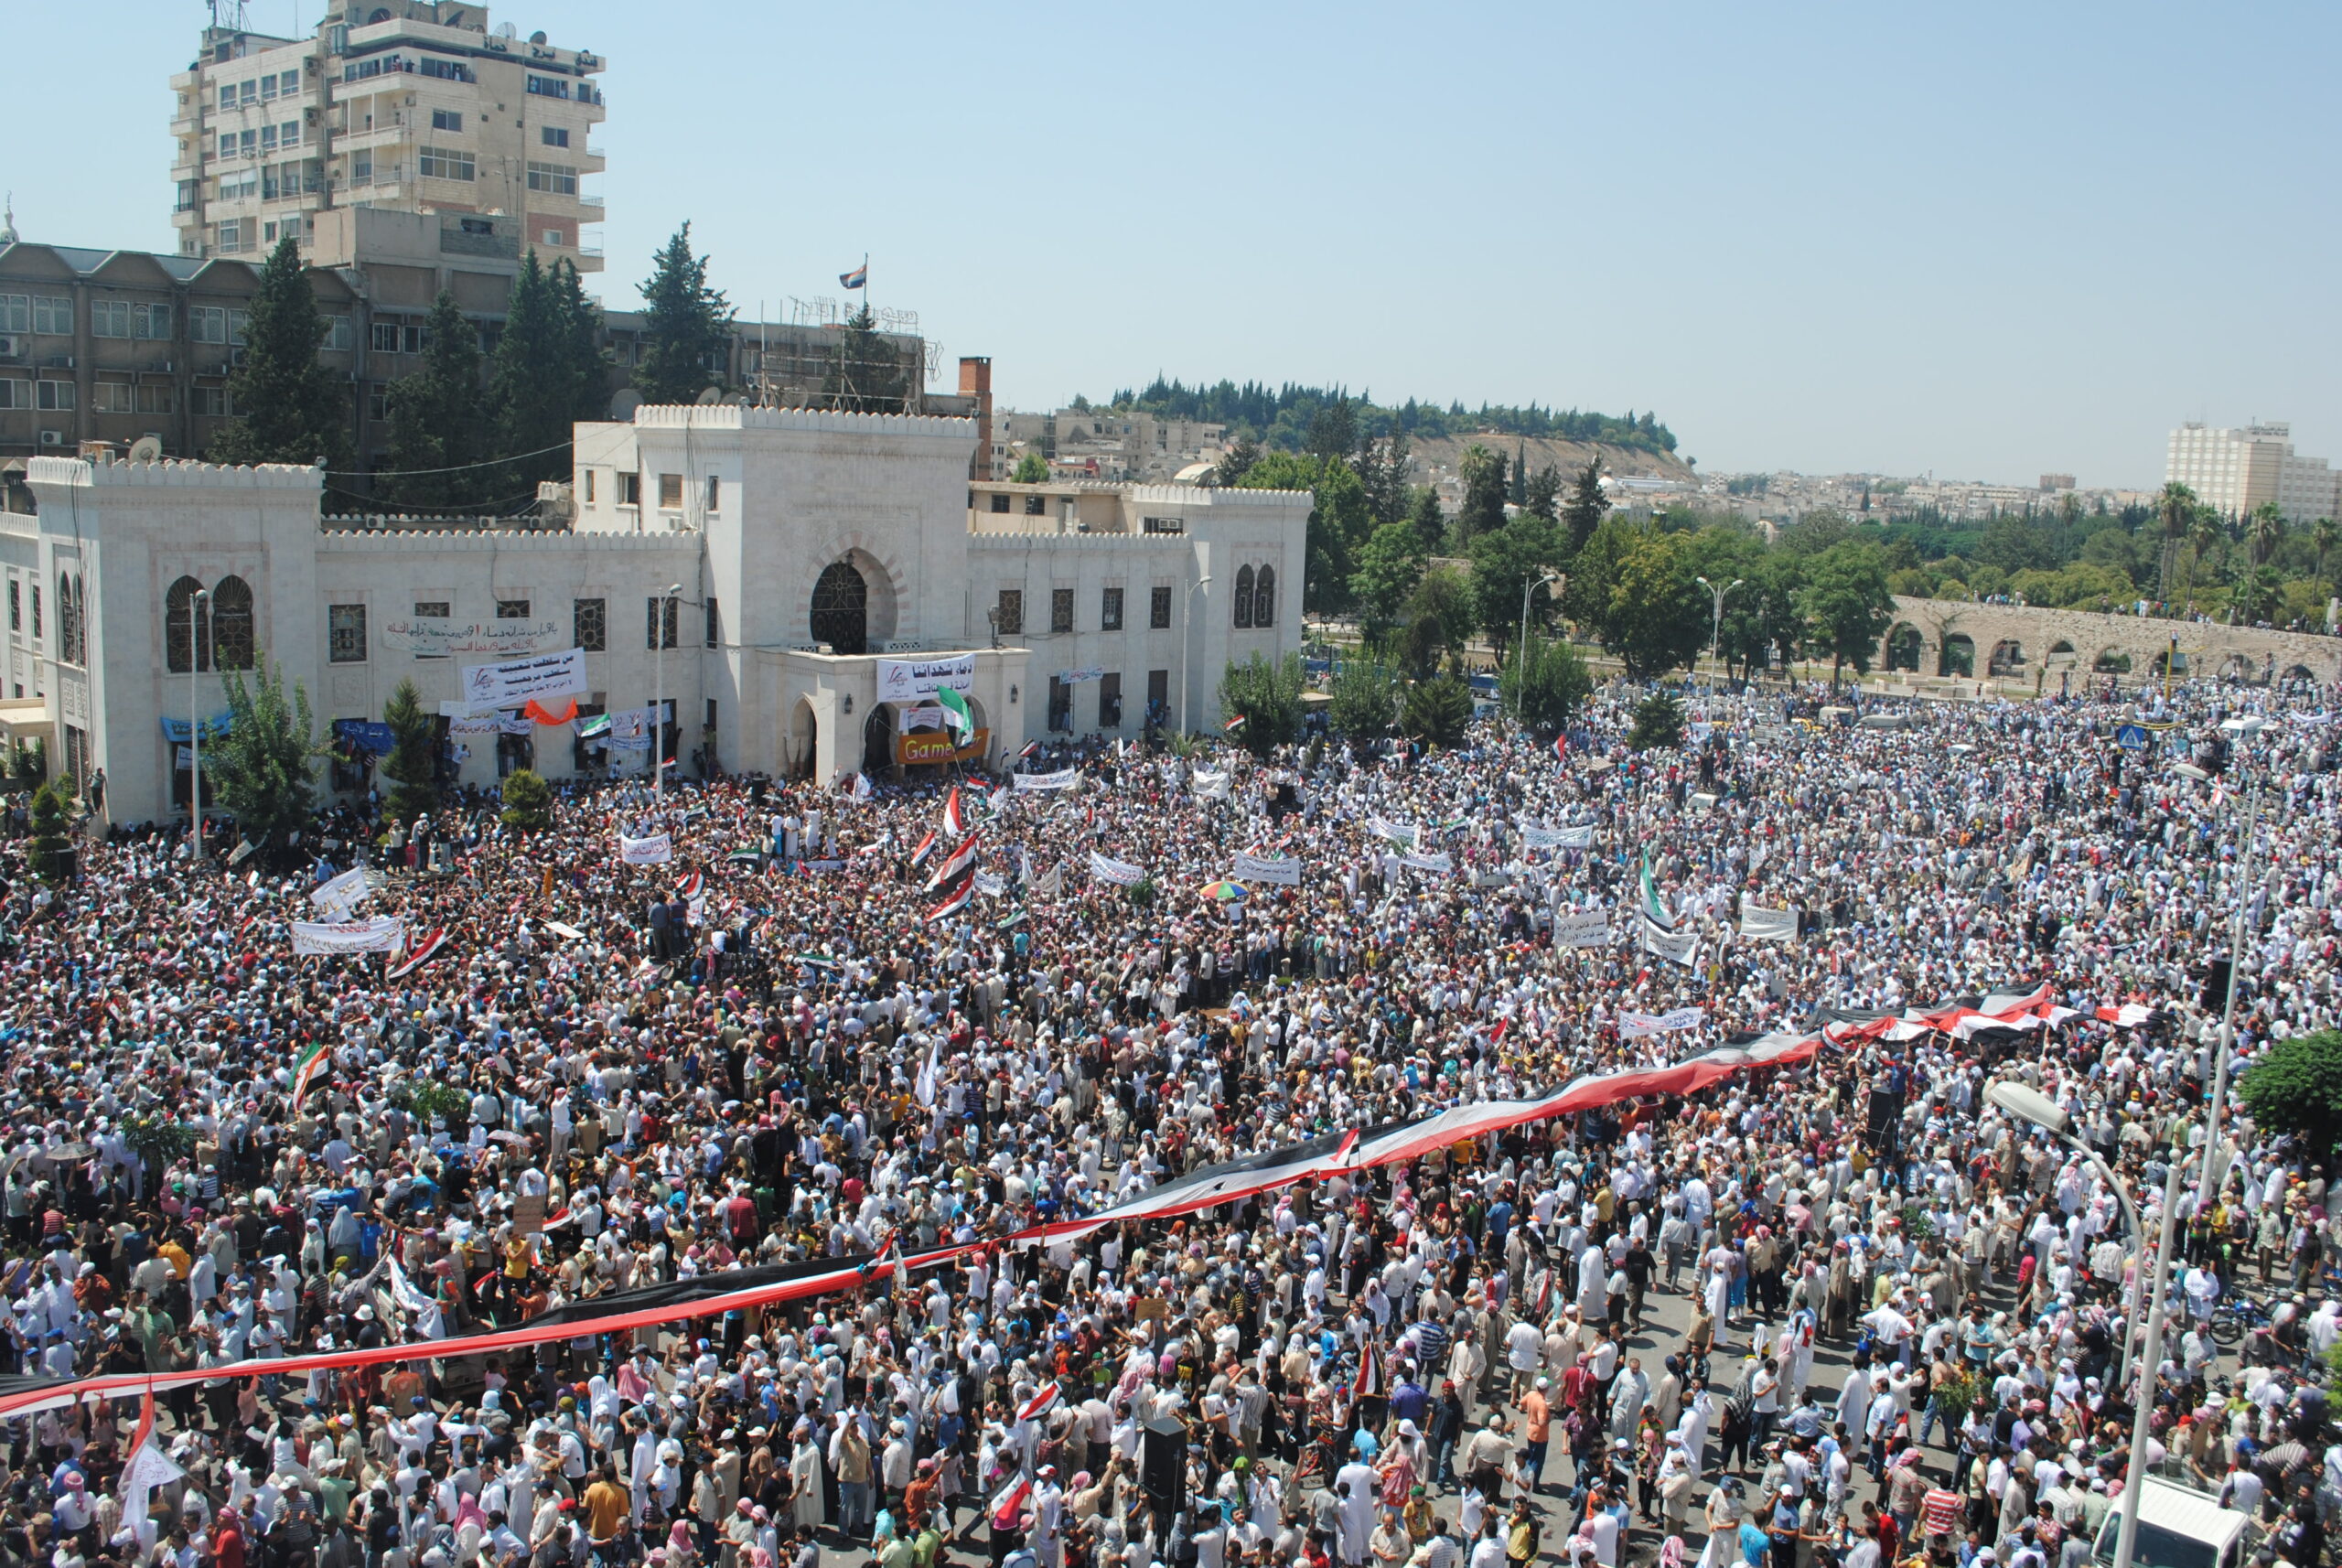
1676,946
1283,871
631,728
1439,863
1392,830
441,636
1558,838
1759,924
1582,928
655,850
1076,677
1121,873
919,715
936,746
512,683
1635,1025
181,731
489,723
902,680
366,735
384,933
1063,778
1208,785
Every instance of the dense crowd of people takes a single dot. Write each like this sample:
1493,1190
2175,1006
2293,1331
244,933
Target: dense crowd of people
1845,1312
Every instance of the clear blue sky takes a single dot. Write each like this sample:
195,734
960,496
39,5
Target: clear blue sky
1987,240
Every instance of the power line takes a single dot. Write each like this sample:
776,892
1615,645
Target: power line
476,509
488,463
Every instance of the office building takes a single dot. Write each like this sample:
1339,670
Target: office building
2234,471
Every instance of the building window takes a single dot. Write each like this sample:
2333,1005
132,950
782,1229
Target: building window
671,492
110,397
36,612
444,162
339,333
53,314
150,321
629,489
1060,704
345,634
651,623
1109,611
57,397
187,627
231,625
1010,613
554,136
16,393
1158,695
1036,506
1243,596
715,493
109,318
157,397
555,179
1161,525
589,486
377,401
16,605
1109,701
431,609
714,627
1060,609
512,610
589,622
446,119
15,313
1264,597
1158,608
1000,503
213,402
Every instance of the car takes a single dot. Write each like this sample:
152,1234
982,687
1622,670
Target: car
2178,1528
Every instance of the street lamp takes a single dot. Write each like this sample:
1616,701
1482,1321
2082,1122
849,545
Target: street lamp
1528,590
2242,728
1186,618
2029,1104
659,700
1715,621
198,612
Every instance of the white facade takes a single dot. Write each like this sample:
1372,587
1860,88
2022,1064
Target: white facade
743,509
2233,472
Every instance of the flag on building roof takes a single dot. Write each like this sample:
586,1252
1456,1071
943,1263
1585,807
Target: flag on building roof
858,278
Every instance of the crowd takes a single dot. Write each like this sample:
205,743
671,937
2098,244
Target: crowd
1840,1312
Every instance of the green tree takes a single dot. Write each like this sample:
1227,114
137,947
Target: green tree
1338,521
1382,470
409,766
686,325
2295,1086
1439,617
435,417
1846,605
1236,462
1360,705
1333,432
867,375
263,765
528,802
1545,683
51,851
1437,711
27,763
2322,537
1430,521
1505,562
1659,722
1484,493
1390,564
548,373
1542,494
289,407
1269,697
1656,617
2264,531
2176,510
1031,470
1587,506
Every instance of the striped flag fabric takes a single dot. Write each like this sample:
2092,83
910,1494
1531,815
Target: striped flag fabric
312,1062
689,887
1232,726
1368,1381
956,716
1561,747
955,897
420,953
955,820
963,863
926,848
1044,1399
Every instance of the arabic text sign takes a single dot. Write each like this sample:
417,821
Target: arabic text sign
1121,873
1558,838
1634,1026
655,850
904,680
1584,928
512,683
1063,778
1283,871
442,636
384,933
1759,924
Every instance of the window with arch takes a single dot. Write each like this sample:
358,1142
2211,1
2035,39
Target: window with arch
187,635
231,625
839,614
1243,596
1264,597
69,620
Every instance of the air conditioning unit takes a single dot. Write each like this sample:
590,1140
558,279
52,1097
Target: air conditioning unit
11,346
53,438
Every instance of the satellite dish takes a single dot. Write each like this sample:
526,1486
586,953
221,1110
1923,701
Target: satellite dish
538,39
623,402
712,396
507,30
740,400
146,449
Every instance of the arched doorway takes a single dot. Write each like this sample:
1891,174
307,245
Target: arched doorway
840,609
2112,661
2169,663
1903,648
878,739
2008,658
2061,653
1959,656
804,733
2298,676
2236,668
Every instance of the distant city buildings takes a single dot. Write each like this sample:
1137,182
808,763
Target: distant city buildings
2234,471
1107,445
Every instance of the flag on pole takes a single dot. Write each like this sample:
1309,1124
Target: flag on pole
926,848
1368,1381
956,716
312,1062
961,863
858,278
955,898
1651,906
955,821
1232,726
1032,749
420,953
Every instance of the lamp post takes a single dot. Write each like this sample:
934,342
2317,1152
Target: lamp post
1186,620
198,610
2242,728
1715,621
659,699
2030,1104
1529,591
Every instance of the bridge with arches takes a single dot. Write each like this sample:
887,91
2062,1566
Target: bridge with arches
1959,639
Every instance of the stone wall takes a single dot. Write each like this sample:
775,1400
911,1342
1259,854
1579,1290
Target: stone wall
2015,642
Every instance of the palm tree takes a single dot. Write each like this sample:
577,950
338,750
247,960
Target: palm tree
2264,531
2205,532
2322,537
2176,508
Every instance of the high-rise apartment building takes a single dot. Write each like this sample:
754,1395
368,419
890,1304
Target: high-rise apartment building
413,105
2233,472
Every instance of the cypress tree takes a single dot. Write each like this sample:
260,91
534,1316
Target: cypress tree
289,408
686,325
435,417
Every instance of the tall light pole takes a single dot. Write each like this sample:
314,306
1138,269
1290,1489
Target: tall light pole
198,612
1528,590
2134,1466
2243,728
1715,621
1186,618
2030,1104
659,699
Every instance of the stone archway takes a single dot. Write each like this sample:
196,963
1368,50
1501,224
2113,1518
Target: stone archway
2007,658
2062,652
1958,656
804,735
2112,661
2236,667
2300,674
1904,646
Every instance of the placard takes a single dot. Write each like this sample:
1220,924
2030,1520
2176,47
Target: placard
902,680
1063,778
1759,924
1582,928
384,933
529,1214
1282,870
511,684
1121,873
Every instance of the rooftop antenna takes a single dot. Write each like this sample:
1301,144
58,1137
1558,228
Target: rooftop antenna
228,13
8,222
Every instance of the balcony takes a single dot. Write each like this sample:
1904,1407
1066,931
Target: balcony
456,242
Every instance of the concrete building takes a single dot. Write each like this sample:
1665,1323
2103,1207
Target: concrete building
406,105
828,568
1102,444
2233,472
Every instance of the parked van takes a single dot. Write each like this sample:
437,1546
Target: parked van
2178,1528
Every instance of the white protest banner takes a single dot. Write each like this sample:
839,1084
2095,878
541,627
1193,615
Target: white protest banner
991,883
343,890
439,636
1063,778
489,723
655,850
1208,785
1052,881
1282,870
384,933
902,680
1076,677
910,716
1676,946
1635,1025
1440,861
1582,928
1759,924
1392,831
1535,837
1121,873
511,684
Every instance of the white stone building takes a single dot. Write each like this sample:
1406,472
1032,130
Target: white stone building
2233,472
807,551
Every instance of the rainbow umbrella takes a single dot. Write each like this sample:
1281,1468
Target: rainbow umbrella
1226,892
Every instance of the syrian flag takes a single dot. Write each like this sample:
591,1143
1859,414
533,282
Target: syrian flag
1046,1399
1032,749
962,864
1006,1508
688,888
1561,747
926,848
420,953
955,898
2129,1016
1545,1294
1368,1381
313,1061
956,716
955,820
1232,726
